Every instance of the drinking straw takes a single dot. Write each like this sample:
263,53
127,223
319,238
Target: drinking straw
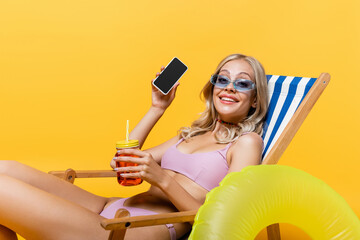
127,130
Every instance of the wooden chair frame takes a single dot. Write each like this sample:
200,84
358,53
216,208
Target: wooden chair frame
122,221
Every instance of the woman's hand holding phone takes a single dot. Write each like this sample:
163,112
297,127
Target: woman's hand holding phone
159,100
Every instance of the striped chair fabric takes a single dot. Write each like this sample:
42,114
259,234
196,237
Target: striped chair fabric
285,95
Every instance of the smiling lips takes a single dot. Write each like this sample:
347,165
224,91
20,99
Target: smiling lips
227,99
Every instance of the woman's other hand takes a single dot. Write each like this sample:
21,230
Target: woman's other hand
160,100
148,169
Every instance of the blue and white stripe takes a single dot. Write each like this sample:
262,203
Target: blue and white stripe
285,96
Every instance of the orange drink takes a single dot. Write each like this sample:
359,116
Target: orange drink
130,144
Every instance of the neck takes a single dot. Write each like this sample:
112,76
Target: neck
221,127
226,123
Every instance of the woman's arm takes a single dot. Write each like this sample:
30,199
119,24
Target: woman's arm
143,128
150,171
181,199
245,151
159,104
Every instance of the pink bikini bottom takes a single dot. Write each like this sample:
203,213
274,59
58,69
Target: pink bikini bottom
110,211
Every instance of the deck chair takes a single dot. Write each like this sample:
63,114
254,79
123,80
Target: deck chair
291,99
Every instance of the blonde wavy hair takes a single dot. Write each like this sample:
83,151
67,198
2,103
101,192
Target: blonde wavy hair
255,118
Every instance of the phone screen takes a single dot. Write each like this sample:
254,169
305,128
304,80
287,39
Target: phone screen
170,75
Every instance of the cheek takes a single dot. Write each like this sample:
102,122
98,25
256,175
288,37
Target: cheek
215,93
246,96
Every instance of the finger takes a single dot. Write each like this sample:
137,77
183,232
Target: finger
176,85
128,159
173,90
162,68
132,151
129,169
112,164
131,175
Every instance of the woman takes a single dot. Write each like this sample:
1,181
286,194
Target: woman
226,138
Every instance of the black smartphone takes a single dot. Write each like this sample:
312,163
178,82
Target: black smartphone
170,75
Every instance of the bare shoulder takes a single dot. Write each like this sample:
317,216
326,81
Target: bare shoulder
246,150
248,140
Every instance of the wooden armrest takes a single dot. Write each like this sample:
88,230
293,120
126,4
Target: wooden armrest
149,220
83,173
70,174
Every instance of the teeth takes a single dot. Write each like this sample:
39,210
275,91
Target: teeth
227,99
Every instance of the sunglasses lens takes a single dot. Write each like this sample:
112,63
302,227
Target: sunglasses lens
243,84
219,81
239,84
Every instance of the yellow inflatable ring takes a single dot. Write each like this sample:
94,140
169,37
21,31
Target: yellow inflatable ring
258,196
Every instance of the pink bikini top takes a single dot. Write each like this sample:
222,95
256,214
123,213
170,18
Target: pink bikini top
206,169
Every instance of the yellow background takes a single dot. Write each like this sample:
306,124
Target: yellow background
72,73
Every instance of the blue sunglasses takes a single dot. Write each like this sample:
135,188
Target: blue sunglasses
240,85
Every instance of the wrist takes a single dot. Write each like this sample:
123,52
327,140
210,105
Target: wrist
157,110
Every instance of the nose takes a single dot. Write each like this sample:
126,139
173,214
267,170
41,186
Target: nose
230,87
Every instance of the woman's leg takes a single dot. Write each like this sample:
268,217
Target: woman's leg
53,185
37,214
